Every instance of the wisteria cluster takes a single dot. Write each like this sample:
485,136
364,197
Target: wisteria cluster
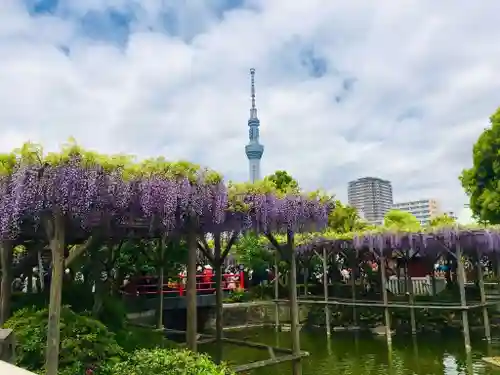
430,242
90,194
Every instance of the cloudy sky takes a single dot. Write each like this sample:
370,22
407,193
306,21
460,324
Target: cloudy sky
345,89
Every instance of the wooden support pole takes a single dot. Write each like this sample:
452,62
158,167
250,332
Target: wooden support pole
56,235
6,256
486,319
161,281
192,313
385,299
352,261
294,306
411,297
463,301
219,325
325,292
306,279
161,303
276,291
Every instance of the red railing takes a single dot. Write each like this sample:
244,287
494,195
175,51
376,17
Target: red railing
148,285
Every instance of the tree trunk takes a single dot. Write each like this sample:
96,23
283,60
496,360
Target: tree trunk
55,231
161,281
6,284
192,313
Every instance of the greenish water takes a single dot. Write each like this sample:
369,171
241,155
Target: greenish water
365,354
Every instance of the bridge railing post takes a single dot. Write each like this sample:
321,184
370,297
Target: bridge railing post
242,280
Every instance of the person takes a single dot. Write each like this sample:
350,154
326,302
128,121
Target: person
207,276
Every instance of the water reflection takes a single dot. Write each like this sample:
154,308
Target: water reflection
357,354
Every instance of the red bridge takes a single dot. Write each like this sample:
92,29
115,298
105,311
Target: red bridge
205,284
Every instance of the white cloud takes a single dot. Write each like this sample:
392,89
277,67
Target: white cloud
405,87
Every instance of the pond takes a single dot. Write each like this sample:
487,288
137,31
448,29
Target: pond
357,354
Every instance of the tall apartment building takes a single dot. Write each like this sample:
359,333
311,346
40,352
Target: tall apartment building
372,197
423,209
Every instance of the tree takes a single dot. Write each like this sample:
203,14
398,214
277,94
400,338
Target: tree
442,220
283,181
481,182
344,219
401,220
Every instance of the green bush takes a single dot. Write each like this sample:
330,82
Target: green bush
85,342
132,338
168,362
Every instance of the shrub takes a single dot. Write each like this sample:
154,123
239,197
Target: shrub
85,342
132,338
168,362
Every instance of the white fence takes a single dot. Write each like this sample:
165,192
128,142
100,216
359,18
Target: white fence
422,286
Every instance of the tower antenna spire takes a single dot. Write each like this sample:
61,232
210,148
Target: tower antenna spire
253,110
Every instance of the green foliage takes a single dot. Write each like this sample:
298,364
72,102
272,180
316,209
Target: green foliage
344,219
128,166
442,220
238,295
132,338
84,341
168,362
283,181
401,220
253,251
481,182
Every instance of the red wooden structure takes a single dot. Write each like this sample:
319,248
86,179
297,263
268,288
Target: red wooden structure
148,285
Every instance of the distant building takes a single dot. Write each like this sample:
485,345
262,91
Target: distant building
372,197
423,209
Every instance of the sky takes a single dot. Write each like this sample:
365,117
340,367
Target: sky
345,89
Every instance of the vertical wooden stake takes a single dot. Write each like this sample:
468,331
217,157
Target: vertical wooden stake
385,299
218,298
325,293
56,236
352,261
161,280
463,301
306,280
486,319
411,296
192,313
6,255
276,291
41,271
294,306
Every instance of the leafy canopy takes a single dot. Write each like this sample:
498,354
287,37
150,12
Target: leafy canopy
442,220
126,165
481,182
283,181
345,218
402,221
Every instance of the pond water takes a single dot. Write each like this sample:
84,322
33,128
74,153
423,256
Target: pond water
356,354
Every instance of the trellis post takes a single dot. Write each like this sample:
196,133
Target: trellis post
294,307
276,291
385,299
325,292
463,301
486,320
411,297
